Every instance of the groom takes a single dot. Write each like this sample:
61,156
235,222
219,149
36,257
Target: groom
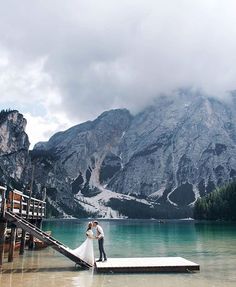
100,237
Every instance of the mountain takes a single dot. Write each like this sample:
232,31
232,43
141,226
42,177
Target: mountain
178,149
154,164
69,163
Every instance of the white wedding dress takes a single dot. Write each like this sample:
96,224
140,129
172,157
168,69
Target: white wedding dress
85,250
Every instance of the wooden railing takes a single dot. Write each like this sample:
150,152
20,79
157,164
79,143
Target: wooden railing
2,201
21,204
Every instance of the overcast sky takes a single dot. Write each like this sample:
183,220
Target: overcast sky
64,62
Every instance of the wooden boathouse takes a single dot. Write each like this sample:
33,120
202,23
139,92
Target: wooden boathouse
15,203
18,210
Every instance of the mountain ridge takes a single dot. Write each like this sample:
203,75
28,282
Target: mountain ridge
154,164
170,154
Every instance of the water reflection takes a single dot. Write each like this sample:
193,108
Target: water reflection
83,279
212,245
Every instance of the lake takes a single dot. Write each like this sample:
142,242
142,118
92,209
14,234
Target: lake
210,244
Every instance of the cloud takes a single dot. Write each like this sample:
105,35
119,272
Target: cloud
41,128
79,58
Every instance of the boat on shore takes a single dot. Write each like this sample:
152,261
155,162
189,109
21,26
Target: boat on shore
7,246
39,244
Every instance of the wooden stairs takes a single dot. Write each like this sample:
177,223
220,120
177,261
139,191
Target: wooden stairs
43,236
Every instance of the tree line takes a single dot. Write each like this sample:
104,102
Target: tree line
218,205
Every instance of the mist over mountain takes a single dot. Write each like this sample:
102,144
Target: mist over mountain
154,164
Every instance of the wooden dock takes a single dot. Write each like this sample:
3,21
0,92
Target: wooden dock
25,207
25,212
147,264
18,210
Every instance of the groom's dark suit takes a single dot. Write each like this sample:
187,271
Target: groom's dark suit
100,235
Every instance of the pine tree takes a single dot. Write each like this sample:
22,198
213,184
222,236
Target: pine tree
219,204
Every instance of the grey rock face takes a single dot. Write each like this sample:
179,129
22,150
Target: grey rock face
178,149
168,155
14,146
70,161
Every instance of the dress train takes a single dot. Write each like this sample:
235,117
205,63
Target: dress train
85,251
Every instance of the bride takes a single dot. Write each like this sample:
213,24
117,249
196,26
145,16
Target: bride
85,250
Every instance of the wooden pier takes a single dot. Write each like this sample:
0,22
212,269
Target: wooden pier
26,213
147,264
18,210
25,207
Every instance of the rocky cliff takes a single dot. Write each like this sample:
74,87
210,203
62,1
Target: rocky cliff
178,149
69,164
14,149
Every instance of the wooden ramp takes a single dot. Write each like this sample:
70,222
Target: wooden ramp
43,236
148,264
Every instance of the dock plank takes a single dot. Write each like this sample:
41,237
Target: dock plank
146,264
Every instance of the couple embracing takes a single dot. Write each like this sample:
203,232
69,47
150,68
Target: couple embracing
85,250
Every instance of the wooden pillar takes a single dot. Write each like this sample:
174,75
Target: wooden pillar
44,202
31,242
23,239
37,210
12,244
21,206
40,224
22,243
33,209
12,200
3,226
31,239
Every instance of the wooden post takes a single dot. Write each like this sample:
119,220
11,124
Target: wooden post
3,226
12,200
31,242
44,210
37,210
33,209
3,204
41,209
31,237
44,201
28,208
23,234
22,242
31,190
21,205
39,224
12,244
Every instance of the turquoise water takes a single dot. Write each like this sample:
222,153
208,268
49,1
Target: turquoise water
212,245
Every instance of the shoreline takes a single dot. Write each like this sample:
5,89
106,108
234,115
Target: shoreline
118,219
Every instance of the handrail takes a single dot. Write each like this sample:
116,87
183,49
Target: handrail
18,192
26,196
33,198
21,204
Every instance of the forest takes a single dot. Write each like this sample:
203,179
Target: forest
218,205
